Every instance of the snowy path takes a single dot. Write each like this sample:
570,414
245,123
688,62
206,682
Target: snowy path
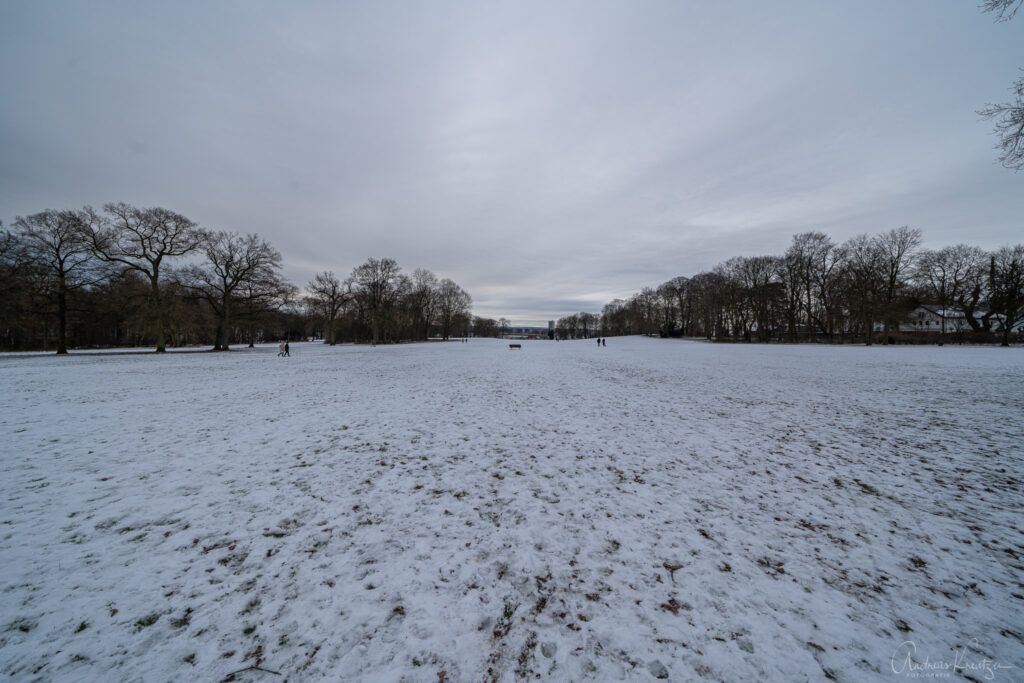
649,509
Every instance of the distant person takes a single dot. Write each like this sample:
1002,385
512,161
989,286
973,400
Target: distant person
604,341
280,349
286,351
598,341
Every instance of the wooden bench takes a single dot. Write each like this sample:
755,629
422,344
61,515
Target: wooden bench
515,346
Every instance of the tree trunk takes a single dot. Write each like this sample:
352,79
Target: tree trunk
220,341
809,331
161,344
225,324
62,317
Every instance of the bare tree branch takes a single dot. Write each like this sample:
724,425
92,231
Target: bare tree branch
1004,9
1009,118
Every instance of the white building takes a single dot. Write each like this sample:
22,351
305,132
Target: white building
931,318
935,319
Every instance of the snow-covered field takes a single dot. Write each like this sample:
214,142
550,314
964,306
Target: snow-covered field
465,512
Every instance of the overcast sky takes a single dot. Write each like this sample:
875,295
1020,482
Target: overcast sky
547,156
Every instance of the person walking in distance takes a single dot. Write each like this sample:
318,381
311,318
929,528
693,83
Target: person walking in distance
287,353
280,349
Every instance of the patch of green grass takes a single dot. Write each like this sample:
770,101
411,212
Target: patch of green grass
148,620
183,620
248,630
81,627
23,625
867,488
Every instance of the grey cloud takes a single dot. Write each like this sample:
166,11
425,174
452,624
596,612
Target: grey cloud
546,156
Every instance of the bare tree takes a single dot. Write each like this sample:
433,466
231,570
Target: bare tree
677,288
503,325
706,289
792,277
142,240
423,299
263,298
946,276
970,294
758,277
897,248
589,324
735,312
55,242
566,327
667,311
15,288
376,282
453,303
643,312
235,265
614,319
865,267
328,296
484,327
1006,286
11,260
813,261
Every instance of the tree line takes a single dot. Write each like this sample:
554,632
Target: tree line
380,303
489,327
129,276
818,290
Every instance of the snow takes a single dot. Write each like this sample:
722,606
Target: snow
649,509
